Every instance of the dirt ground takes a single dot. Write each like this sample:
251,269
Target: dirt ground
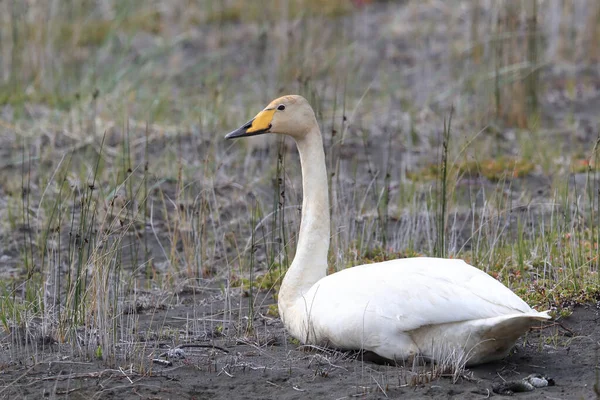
268,365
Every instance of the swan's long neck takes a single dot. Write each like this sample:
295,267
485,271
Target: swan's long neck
310,262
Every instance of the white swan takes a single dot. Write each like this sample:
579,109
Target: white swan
441,309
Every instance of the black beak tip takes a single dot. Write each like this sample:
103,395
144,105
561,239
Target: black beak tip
236,134
239,132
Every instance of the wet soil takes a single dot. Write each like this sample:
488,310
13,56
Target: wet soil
213,356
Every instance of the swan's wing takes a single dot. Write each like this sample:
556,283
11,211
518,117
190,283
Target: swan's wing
407,294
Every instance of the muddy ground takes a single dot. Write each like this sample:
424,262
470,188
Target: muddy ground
269,365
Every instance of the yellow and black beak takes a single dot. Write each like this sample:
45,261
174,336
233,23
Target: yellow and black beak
256,126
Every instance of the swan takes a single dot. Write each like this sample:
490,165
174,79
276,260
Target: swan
443,310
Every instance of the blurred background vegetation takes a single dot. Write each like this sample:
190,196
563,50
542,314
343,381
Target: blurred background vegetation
465,129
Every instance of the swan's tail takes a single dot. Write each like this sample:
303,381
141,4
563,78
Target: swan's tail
514,325
479,341
498,335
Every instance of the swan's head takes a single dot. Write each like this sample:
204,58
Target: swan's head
289,115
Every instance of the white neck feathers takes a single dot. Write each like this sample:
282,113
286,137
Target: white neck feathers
310,262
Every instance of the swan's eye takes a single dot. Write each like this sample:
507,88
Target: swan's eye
281,107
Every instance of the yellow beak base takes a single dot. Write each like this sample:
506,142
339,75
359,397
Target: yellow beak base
256,126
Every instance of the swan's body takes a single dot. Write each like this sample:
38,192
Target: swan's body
441,309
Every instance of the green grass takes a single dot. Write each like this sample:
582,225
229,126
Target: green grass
116,181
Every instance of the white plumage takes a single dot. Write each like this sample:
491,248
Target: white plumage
441,309
428,306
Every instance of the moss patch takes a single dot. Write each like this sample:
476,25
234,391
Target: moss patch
239,11
493,169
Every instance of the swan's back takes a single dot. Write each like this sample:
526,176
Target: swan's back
422,291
